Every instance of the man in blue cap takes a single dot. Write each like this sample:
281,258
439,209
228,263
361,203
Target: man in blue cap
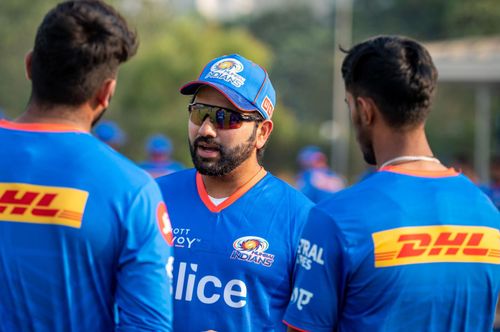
236,227
316,180
110,133
159,162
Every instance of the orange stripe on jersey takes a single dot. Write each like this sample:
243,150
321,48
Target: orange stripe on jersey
202,192
432,244
29,203
420,173
44,127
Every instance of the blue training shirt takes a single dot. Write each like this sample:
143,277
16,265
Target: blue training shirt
233,262
79,236
399,251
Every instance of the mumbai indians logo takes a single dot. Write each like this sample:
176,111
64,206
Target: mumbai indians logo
252,249
227,70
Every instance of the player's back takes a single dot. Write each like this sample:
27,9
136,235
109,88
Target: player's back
64,201
423,253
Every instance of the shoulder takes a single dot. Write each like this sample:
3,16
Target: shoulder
281,195
176,178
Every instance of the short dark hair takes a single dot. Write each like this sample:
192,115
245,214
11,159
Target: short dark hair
78,45
397,73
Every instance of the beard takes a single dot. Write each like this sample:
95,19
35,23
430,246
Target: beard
365,142
229,158
369,154
98,118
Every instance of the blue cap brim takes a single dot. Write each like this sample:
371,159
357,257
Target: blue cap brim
235,98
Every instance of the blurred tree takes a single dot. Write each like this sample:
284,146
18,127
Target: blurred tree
302,44
18,22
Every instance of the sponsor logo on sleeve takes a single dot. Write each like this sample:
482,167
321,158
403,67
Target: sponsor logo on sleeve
36,204
164,223
252,249
301,297
432,244
308,253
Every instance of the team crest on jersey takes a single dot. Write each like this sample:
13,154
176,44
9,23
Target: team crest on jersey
164,223
227,70
252,249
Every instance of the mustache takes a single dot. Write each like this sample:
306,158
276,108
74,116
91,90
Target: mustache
207,140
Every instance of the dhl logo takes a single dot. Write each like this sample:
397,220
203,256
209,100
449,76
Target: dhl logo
28,203
431,244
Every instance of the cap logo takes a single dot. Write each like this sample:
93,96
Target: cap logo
227,70
267,105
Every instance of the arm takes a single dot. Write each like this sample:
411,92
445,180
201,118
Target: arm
496,323
319,276
143,294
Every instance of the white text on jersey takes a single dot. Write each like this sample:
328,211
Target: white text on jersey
234,292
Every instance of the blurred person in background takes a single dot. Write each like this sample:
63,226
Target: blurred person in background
464,165
110,133
159,162
316,180
414,247
80,241
237,226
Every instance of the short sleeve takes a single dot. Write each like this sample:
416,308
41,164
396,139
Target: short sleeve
319,276
143,295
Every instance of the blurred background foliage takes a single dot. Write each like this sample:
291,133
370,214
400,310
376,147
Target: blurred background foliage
293,41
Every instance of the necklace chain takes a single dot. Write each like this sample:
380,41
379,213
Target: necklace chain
408,159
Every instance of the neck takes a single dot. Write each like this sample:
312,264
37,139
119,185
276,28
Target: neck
406,143
225,186
78,117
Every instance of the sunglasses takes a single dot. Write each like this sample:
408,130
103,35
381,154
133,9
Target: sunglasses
222,118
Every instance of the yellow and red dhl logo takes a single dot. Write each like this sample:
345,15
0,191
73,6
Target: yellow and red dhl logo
28,203
432,244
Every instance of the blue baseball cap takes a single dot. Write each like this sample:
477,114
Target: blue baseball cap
109,132
159,144
245,84
310,154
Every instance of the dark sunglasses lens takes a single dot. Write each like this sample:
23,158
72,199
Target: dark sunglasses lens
220,117
235,121
197,114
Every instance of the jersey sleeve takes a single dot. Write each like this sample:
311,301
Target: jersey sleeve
319,276
144,295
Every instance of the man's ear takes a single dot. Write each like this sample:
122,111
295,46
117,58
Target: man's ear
28,58
105,93
366,110
263,133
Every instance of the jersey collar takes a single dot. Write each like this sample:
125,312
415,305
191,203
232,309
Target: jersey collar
420,173
40,127
202,191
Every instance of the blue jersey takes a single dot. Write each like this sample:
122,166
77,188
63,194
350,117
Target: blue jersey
79,236
234,261
160,168
319,183
399,251
493,191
